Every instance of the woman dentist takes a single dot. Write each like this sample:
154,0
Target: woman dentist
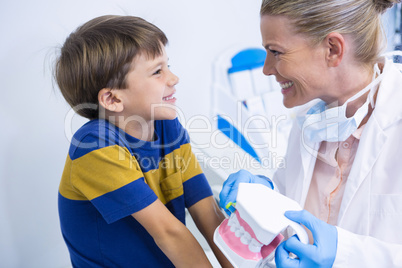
343,163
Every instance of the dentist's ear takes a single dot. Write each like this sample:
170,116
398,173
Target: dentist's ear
335,49
109,100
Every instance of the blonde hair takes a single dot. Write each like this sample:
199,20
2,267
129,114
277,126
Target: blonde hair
99,55
361,19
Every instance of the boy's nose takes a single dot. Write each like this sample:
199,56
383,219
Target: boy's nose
174,79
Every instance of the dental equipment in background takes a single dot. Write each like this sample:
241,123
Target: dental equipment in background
398,32
252,233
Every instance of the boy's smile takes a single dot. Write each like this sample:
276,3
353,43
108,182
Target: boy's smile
170,98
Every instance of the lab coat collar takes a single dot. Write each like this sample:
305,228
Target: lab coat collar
308,153
388,110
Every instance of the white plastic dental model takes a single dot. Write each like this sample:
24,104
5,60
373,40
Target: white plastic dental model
251,234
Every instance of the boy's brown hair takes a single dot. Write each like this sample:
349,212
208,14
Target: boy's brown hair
99,55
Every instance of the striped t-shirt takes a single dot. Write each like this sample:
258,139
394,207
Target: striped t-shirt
110,175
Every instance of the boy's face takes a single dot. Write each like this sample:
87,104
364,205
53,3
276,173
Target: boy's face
150,89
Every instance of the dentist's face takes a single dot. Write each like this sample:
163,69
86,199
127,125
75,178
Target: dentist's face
299,68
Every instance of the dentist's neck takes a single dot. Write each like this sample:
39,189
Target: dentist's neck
351,82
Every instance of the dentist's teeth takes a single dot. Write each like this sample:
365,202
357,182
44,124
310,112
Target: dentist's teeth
286,85
255,246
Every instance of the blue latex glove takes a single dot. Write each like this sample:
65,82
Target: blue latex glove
321,254
231,186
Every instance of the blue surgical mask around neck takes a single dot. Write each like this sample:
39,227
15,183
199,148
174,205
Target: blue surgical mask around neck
331,124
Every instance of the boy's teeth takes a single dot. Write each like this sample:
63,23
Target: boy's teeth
286,85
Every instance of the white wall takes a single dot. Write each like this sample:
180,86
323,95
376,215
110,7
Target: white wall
33,142
34,139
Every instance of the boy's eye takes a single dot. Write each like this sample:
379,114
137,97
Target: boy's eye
158,71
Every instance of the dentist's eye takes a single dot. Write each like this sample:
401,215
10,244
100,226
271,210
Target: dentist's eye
274,52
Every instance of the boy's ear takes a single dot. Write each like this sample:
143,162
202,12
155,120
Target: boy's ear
335,47
109,100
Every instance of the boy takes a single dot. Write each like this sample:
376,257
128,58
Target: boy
130,172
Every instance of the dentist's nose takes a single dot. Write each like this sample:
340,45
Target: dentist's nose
269,66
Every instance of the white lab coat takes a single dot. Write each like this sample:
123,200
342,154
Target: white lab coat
370,217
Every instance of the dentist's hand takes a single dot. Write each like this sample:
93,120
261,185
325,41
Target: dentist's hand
321,254
231,185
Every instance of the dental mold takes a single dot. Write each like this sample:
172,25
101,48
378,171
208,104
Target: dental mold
249,237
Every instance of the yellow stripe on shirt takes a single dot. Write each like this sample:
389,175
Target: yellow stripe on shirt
174,169
110,168
98,172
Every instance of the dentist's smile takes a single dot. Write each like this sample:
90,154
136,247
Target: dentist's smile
286,86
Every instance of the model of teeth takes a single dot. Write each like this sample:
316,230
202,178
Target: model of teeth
237,237
245,237
286,85
254,230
